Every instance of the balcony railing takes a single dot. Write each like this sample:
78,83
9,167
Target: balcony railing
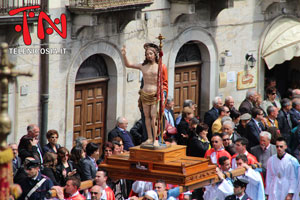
106,4
7,5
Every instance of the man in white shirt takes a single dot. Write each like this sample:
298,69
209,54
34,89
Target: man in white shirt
281,179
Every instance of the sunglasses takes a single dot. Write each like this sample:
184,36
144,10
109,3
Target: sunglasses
226,139
273,93
279,146
214,141
94,193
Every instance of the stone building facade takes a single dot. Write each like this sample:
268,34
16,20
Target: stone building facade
89,86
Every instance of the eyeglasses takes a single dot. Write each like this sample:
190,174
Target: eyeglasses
95,193
214,141
226,139
53,137
273,93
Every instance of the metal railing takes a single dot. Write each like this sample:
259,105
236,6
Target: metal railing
7,5
104,4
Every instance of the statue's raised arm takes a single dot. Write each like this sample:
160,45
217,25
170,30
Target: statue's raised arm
126,62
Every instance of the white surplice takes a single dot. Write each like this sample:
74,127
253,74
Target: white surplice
218,191
281,177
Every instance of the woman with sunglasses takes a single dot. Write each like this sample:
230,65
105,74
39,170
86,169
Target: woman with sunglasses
65,167
52,146
271,99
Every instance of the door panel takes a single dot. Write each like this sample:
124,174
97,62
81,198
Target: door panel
90,111
186,86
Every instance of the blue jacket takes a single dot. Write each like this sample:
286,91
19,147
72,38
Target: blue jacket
27,184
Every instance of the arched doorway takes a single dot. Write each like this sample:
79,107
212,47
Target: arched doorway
187,76
90,101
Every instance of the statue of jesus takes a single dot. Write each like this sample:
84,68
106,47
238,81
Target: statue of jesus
148,94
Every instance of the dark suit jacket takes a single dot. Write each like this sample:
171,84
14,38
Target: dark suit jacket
245,107
253,133
88,169
295,117
233,197
183,127
209,118
283,125
17,165
117,133
196,147
48,148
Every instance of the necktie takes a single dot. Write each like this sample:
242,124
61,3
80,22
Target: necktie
289,119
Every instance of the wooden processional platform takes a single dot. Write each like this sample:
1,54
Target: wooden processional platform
170,164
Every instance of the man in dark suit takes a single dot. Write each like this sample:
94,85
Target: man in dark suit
33,131
120,131
247,105
264,150
211,115
239,190
254,127
295,112
88,164
284,120
16,160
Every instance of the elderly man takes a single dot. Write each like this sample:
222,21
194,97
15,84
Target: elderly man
96,192
247,105
120,131
242,127
217,125
281,179
295,112
284,120
271,119
16,160
34,178
211,115
229,102
228,127
169,113
217,151
264,150
33,131
241,148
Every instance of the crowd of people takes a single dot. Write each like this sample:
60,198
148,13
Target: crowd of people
265,131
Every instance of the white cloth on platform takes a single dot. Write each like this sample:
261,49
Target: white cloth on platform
141,187
281,177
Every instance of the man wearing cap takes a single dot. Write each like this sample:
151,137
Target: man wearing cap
35,185
211,115
240,186
183,128
242,127
148,94
281,179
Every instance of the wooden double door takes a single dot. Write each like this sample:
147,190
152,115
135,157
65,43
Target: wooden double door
187,85
90,111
